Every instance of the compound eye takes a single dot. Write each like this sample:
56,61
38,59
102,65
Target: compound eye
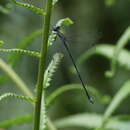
56,28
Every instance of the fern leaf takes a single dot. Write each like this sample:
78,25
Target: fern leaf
52,38
52,69
4,10
120,96
21,51
16,121
15,78
43,115
13,59
120,45
64,22
61,22
1,43
107,51
30,7
54,2
104,99
8,95
91,121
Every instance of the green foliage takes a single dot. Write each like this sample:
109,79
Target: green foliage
4,10
30,7
55,95
110,2
1,43
115,53
25,43
54,2
52,69
120,96
64,22
107,51
61,22
13,95
16,121
43,115
21,51
13,58
119,46
15,78
91,121
52,38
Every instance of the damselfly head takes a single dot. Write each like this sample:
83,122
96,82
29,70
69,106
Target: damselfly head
56,28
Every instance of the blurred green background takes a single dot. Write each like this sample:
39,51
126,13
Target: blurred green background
95,22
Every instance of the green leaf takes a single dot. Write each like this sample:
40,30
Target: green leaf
47,78
43,115
110,2
64,22
52,38
91,121
105,99
107,51
13,59
30,7
61,22
54,2
13,95
120,45
4,10
22,51
1,43
51,69
16,121
120,96
15,78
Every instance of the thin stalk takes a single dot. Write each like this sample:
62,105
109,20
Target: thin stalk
42,64
15,78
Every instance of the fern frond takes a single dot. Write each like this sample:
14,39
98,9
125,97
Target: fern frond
21,51
52,69
13,95
13,59
54,2
30,7
61,22
4,10
43,115
15,78
64,22
16,121
122,42
1,43
52,38
104,99
119,98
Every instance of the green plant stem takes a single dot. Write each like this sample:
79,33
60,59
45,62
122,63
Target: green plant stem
124,39
120,96
15,78
42,64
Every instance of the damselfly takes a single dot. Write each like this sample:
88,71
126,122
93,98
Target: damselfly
64,40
